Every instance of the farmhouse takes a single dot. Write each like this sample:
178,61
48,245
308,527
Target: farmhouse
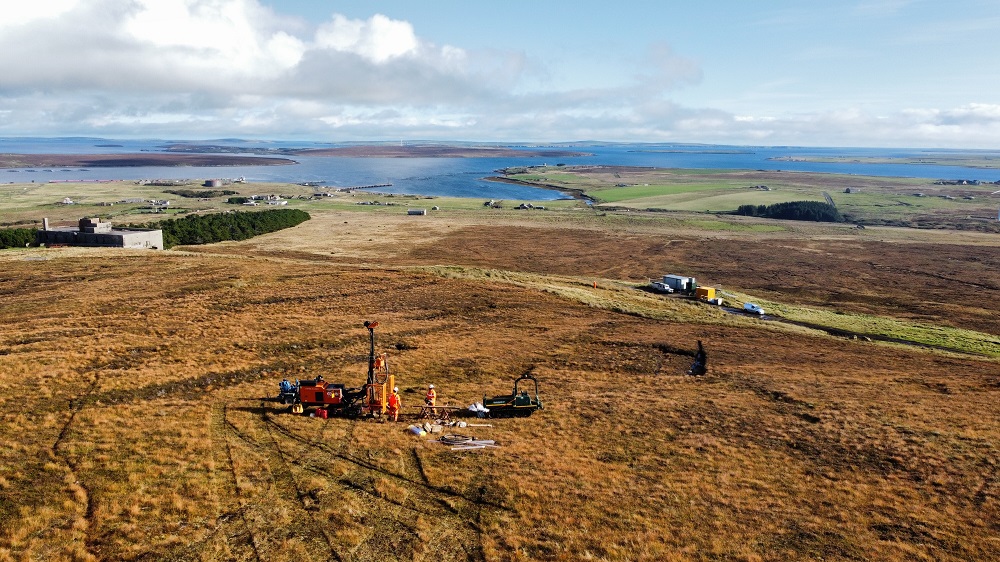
93,232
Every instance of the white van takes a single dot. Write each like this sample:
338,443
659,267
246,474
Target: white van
753,308
661,287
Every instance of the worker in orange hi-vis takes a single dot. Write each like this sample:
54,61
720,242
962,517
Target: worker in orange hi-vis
394,404
431,398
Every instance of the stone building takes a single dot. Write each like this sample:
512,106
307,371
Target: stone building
93,232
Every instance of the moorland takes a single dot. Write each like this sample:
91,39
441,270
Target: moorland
137,425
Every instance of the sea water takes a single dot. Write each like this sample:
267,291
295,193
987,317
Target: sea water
464,177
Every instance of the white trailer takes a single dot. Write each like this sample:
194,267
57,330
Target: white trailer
680,284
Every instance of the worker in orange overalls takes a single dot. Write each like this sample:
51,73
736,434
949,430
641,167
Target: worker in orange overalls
394,404
431,397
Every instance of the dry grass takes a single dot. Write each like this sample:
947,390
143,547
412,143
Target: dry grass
133,425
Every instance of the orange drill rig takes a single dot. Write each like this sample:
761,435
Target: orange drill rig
335,398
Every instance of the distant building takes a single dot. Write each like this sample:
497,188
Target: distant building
93,232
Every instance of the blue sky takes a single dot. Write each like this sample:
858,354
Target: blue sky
903,73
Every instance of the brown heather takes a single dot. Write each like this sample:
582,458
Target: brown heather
134,424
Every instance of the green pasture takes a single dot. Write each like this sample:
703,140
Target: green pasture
728,200
956,339
618,194
21,202
887,205
875,199
33,201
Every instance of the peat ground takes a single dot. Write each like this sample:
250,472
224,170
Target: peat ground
134,423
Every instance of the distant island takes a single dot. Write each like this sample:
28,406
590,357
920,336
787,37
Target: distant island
695,151
134,160
384,151
204,155
964,160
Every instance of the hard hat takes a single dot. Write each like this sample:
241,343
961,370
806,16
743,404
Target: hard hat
430,386
395,389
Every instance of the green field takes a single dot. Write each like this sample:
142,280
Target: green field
616,194
872,200
25,204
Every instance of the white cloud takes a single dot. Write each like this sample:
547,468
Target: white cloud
210,68
216,35
667,70
20,13
220,46
378,39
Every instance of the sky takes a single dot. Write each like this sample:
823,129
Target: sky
860,73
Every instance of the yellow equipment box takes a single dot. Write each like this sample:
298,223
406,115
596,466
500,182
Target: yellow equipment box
705,293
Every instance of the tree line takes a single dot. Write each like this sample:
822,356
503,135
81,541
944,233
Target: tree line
207,229
793,210
16,237
193,229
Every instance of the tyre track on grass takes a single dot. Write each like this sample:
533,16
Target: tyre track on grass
458,534
285,485
75,406
248,531
221,428
233,526
396,525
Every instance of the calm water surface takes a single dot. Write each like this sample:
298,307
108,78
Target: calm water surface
462,177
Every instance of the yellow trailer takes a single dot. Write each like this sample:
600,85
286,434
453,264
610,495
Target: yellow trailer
705,293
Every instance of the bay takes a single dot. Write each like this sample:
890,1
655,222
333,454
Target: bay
463,177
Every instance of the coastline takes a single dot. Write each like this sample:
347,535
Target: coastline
381,151
10,161
575,193
430,151
979,163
